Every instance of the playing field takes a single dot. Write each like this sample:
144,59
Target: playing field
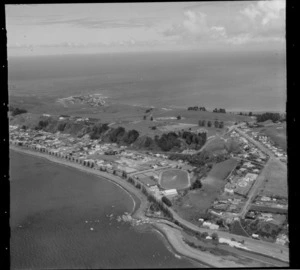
177,179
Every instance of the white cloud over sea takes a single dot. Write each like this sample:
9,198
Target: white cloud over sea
145,26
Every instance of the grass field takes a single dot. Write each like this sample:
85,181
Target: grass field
276,183
221,170
177,179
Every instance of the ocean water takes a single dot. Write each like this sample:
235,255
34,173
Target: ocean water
50,205
235,80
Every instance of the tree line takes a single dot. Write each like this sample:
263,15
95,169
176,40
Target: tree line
165,142
216,123
196,108
268,116
221,110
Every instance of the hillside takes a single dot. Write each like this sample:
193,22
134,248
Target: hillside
96,129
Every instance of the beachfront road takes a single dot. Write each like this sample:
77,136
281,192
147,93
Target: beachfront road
257,246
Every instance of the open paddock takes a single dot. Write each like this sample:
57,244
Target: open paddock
276,180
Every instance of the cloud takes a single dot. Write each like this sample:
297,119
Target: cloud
255,23
195,26
104,24
265,11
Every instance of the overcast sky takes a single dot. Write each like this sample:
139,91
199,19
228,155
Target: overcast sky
91,28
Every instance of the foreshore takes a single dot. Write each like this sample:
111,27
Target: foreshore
172,235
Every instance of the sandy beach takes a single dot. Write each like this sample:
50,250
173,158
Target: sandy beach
172,234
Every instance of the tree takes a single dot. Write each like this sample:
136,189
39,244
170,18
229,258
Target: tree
151,118
153,128
201,123
221,124
196,185
116,134
250,114
215,236
166,201
204,235
145,117
209,124
216,124
178,117
131,136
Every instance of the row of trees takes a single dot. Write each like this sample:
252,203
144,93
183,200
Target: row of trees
196,108
221,110
217,124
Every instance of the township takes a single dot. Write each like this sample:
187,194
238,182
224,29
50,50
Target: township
237,208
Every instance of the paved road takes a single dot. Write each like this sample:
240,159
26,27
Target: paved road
258,246
258,182
256,143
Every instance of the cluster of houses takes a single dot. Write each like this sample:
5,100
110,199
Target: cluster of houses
267,142
109,157
270,204
231,201
277,151
249,150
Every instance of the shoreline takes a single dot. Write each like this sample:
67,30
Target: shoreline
172,235
139,203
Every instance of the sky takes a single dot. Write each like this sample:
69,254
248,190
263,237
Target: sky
53,29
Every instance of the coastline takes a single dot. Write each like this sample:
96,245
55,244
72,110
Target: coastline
172,235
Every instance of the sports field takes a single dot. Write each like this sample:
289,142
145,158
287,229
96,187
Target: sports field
177,179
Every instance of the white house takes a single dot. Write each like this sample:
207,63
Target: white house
170,192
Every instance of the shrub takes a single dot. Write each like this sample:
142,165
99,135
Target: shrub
16,111
196,185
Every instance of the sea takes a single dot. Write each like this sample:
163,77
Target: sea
62,218
235,80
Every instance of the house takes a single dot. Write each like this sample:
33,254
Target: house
170,192
228,190
210,225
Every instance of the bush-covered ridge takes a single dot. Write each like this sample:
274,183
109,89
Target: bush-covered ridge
97,130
